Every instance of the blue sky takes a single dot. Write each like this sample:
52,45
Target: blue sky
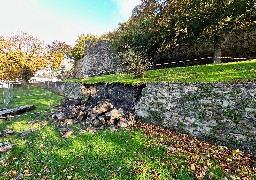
63,20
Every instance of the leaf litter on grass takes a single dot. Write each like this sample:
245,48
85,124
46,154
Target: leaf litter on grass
203,158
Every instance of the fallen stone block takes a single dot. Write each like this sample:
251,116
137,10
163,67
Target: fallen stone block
68,134
16,111
7,132
91,129
5,146
102,108
61,116
24,133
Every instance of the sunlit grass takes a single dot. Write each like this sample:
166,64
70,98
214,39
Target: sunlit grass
226,72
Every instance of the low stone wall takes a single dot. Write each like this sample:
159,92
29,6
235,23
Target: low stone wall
67,89
219,112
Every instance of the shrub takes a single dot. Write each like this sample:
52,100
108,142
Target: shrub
136,63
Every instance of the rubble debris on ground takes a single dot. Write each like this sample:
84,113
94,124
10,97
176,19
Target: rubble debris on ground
91,117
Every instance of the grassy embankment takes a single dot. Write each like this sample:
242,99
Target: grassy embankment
226,72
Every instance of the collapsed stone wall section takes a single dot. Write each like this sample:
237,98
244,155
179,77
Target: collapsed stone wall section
224,113
120,95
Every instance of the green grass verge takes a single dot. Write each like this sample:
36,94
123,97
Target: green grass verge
124,154
226,72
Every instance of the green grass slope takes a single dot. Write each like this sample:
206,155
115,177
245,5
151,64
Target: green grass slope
225,72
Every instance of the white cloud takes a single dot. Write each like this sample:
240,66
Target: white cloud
126,7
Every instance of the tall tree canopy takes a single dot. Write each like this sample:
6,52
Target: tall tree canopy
140,33
158,27
212,19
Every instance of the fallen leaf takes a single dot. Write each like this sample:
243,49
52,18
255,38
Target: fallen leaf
12,173
193,167
113,174
69,177
209,163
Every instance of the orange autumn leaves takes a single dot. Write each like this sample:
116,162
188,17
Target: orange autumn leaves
201,157
22,50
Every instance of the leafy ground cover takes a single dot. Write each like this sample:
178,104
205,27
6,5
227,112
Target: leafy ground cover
142,152
226,72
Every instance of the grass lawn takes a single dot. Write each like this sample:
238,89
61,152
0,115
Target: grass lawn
141,152
226,72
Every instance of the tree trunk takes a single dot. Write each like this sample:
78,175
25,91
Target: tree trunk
217,49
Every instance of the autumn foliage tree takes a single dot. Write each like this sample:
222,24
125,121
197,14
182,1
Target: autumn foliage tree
56,53
4,47
22,55
21,52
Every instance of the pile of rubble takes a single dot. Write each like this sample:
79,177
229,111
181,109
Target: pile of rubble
92,116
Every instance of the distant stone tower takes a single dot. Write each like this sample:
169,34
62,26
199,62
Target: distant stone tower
99,59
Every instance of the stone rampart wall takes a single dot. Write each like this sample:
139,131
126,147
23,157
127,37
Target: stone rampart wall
98,60
219,112
66,89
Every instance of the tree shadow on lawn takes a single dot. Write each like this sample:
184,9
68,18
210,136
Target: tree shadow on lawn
19,123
